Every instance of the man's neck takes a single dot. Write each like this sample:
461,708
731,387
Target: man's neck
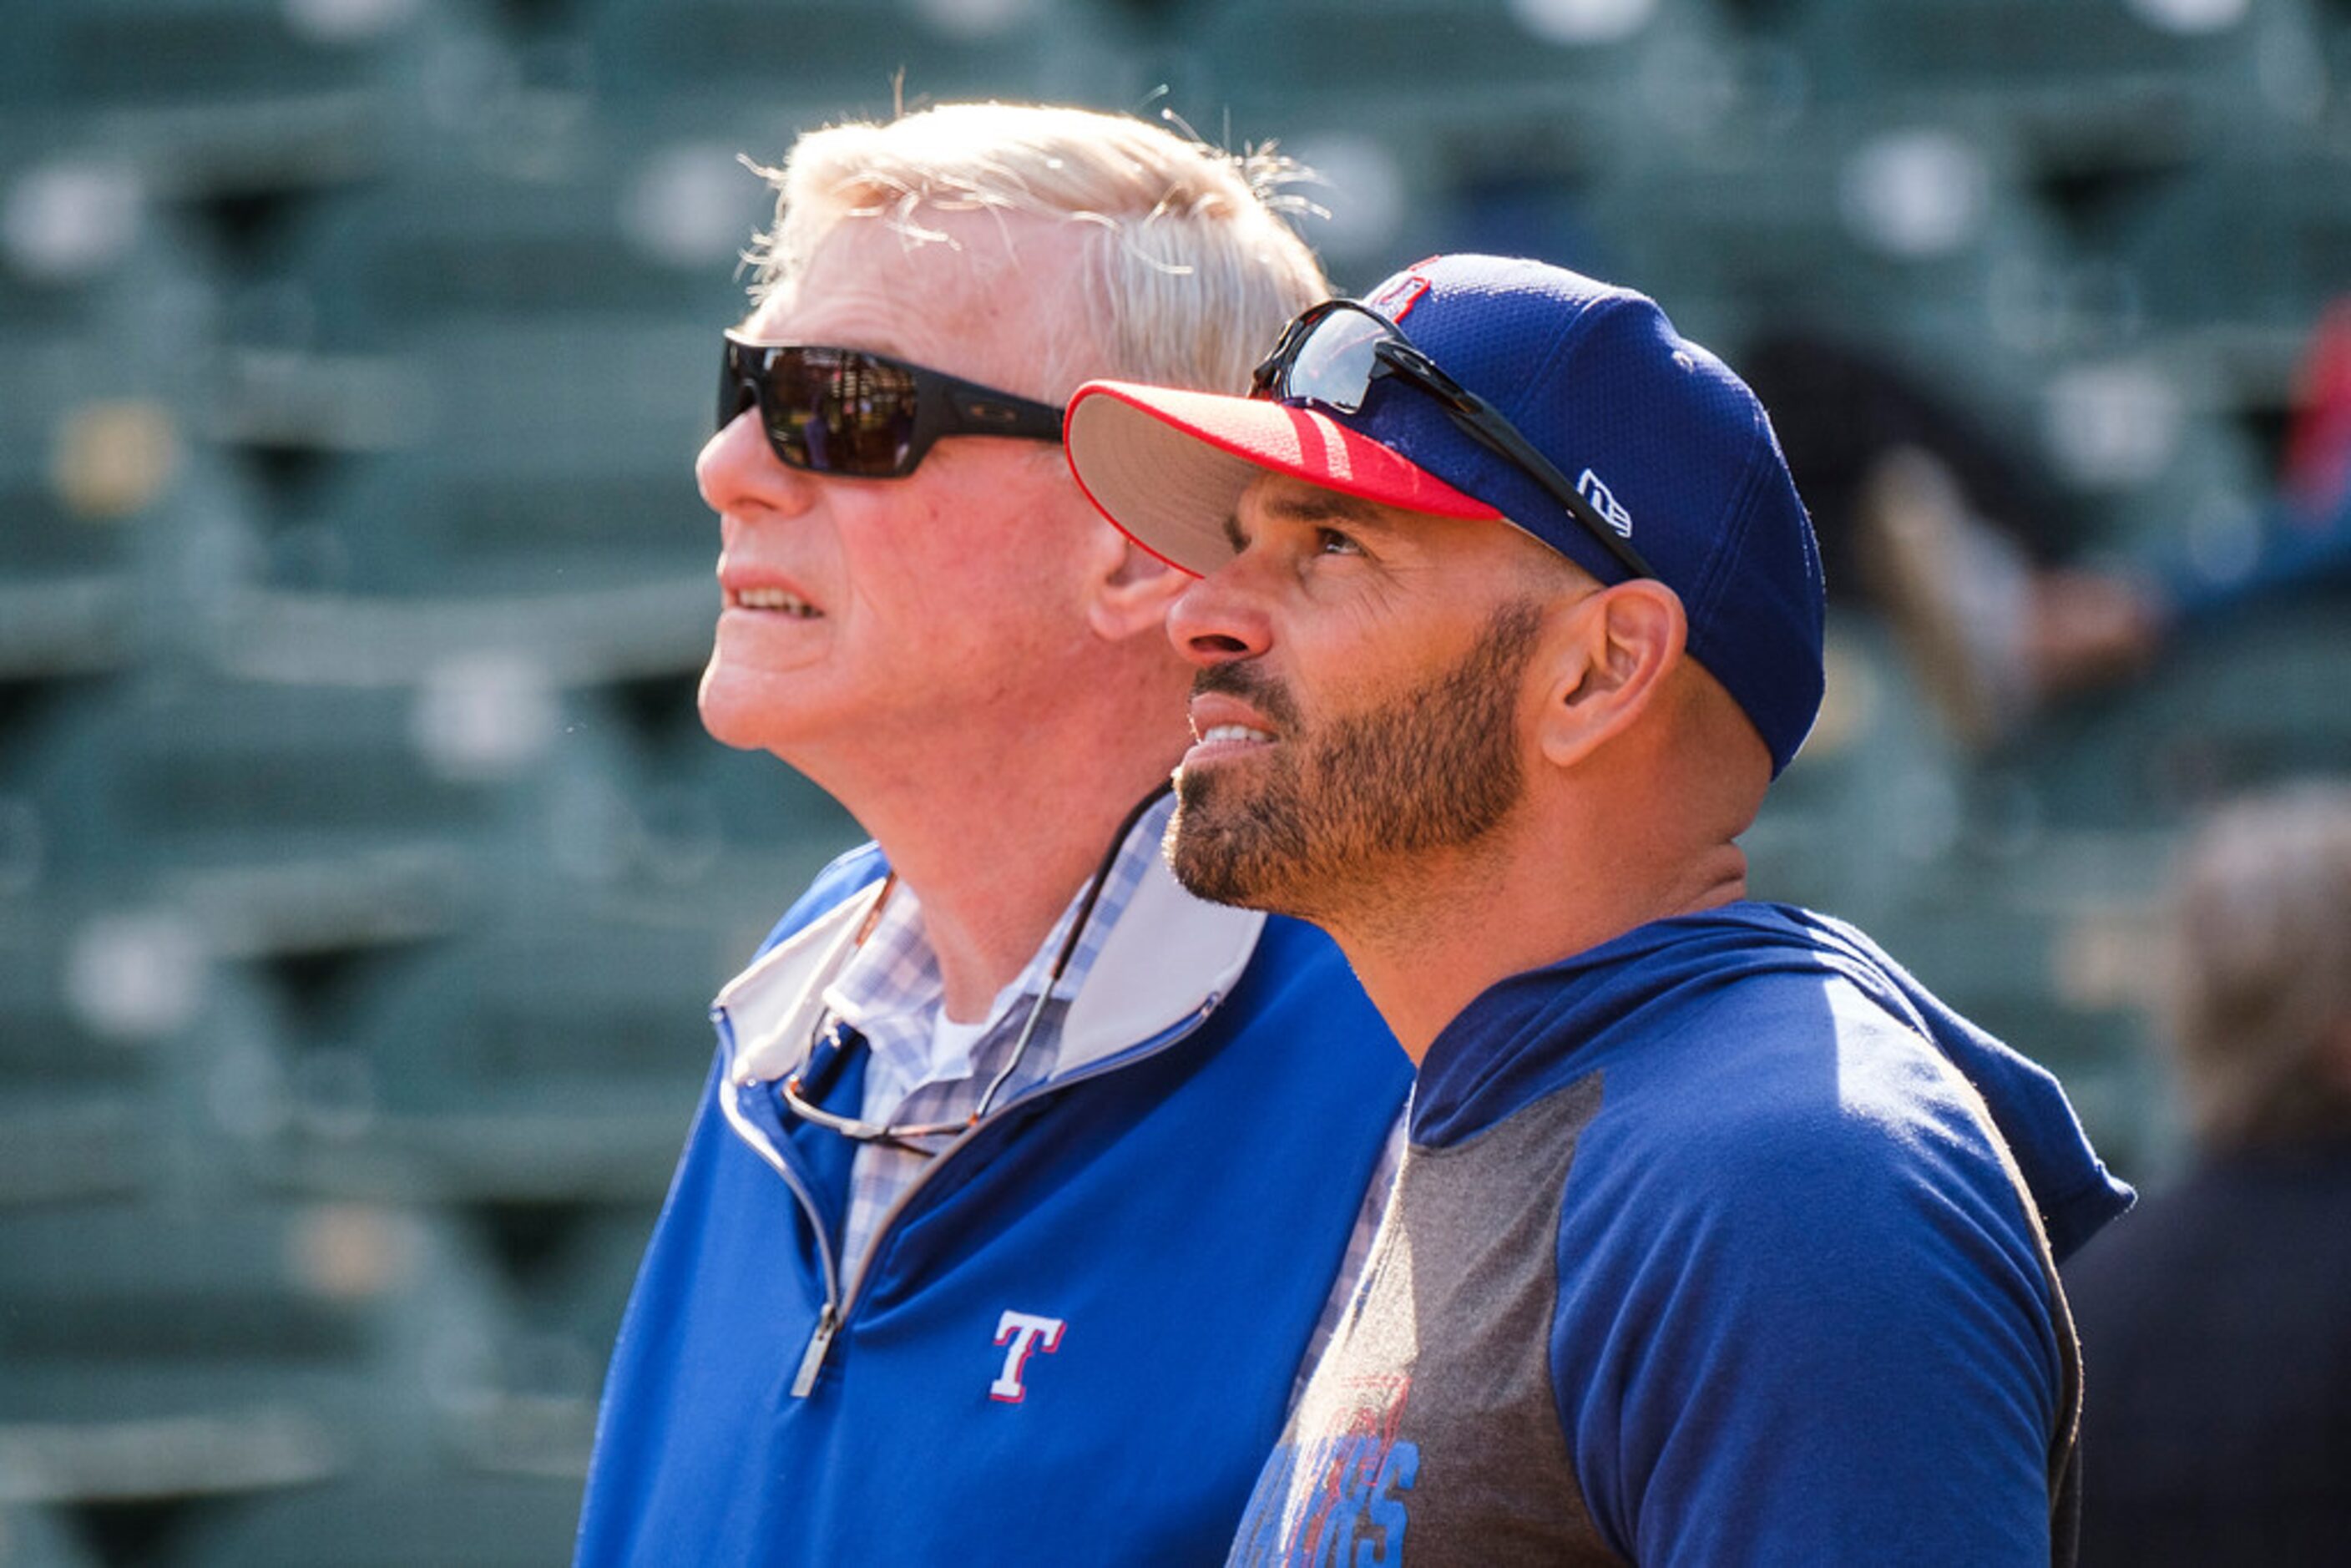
997,854
1476,919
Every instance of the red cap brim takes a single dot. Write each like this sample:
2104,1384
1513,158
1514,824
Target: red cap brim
1168,466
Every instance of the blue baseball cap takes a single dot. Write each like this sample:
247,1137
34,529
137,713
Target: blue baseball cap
1662,442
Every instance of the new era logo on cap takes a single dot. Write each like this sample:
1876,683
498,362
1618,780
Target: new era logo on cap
1604,501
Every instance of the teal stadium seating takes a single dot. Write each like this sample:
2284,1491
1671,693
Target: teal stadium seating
506,391
38,1537
395,1523
559,1056
694,60
1448,81
2255,241
563,1272
364,872
78,1107
65,568
213,97
307,811
2079,80
178,1346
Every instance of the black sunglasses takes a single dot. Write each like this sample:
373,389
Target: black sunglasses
1332,353
863,416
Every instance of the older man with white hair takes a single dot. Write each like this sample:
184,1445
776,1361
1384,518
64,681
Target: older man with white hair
1013,1203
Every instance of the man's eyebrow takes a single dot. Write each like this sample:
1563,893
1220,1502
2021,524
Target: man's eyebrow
1318,506
1313,506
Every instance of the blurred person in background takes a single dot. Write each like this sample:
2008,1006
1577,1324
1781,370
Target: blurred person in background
2216,1323
1969,550
1023,1177
1942,523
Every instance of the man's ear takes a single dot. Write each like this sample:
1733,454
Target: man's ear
1130,589
1605,658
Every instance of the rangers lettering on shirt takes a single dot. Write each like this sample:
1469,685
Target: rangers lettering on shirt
1020,1333
1341,1497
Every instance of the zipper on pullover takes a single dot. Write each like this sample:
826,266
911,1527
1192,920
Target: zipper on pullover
839,1302
828,1323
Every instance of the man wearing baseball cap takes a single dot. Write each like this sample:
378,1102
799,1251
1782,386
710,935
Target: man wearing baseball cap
1717,1240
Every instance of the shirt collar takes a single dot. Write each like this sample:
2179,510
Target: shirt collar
1169,957
890,989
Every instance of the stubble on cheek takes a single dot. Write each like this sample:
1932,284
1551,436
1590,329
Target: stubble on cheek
1230,844
1313,825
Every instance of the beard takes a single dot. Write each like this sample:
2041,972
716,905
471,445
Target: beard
1319,820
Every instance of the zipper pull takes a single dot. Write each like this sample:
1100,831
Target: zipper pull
828,1323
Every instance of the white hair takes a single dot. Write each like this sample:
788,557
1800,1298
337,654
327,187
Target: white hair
1191,267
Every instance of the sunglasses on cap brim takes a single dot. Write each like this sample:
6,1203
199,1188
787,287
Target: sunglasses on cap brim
860,415
1332,353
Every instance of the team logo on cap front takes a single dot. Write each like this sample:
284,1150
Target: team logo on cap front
1604,501
1397,296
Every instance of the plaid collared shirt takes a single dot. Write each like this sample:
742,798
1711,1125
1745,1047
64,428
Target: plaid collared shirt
890,992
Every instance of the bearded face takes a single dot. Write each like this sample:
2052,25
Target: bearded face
1305,825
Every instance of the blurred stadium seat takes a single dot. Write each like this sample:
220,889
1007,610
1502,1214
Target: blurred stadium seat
463,1522
2232,707
557,1057
282,817
38,1538
827,58
213,96
77,468
176,1347
2078,79
562,1272
490,393
76,1106
569,444
2247,244
1918,221
455,244
1576,75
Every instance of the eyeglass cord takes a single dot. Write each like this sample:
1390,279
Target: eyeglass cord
817,1115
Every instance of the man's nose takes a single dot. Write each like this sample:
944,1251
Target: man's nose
1216,620
739,473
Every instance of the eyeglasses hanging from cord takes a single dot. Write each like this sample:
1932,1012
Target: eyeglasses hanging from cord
904,1136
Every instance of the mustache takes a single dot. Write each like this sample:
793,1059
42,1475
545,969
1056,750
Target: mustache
1243,678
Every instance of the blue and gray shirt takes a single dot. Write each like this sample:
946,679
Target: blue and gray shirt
1705,1250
